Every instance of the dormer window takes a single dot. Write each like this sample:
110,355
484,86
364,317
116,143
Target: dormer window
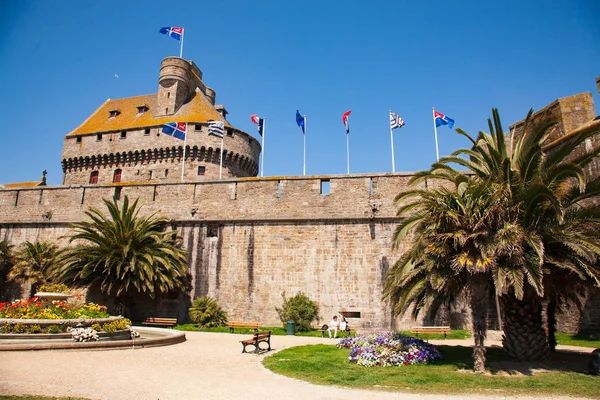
113,113
142,109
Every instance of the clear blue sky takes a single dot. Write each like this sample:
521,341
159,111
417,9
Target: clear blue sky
59,59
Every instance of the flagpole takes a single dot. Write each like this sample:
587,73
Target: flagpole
221,158
183,159
392,141
181,45
348,147
262,161
304,165
437,152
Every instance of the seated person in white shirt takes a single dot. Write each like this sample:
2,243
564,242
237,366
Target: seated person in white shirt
333,326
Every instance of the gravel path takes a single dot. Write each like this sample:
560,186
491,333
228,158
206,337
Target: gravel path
206,366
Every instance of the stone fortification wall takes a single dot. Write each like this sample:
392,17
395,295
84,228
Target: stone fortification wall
250,240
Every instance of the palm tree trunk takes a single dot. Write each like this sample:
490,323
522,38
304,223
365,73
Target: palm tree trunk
551,312
479,283
524,337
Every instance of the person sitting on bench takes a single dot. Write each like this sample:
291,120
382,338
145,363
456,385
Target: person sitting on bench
333,326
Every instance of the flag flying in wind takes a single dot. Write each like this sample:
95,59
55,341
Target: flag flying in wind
259,122
175,129
216,128
175,33
395,121
300,120
345,120
441,119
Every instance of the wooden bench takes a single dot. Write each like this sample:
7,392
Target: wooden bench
258,338
239,324
160,321
430,329
347,332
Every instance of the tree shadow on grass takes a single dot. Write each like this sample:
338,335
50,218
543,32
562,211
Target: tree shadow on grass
498,363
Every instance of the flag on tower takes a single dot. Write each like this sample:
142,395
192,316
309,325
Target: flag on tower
174,32
395,121
259,122
345,120
216,128
300,121
175,129
441,119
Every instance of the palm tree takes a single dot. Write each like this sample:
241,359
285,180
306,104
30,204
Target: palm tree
6,263
546,189
124,253
32,263
205,312
455,237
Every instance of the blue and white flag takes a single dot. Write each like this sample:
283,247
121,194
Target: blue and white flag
300,121
175,33
441,119
175,129
216,128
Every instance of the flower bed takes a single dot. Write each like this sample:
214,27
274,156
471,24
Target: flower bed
389,349
36,308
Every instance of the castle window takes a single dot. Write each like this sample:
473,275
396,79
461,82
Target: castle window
123,134
147,131
166,173
117,176
78,139
198,127
142,109
117,195
229,132
325,186
201,171
167,110
168,94
98,137
212,231
94,178
113,113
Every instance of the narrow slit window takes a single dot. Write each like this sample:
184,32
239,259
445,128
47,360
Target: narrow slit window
117,193
117,176
371,187
278,189
325,186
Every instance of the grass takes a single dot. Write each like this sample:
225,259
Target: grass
455,334
328,365
275,330
578,340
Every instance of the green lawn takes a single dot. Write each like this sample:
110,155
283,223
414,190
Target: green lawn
578,340
455,334
276,330
327,365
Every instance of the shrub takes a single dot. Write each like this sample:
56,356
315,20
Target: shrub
54,288
299,309
109,327
19,328
34,329
6,328
389,349
96,326
55,329
206,312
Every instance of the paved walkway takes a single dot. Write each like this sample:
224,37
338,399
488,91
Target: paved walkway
206,366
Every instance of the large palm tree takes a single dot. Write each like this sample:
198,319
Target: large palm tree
32,263
546,192
124,253
455,236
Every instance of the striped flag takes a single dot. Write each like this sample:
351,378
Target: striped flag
259,122
395,121
216,128
345,120
175,129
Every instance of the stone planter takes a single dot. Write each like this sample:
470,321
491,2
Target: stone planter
52,296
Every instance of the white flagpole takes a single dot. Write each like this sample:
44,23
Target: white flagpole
262,161
221,158
183,159
181,44
348,148
437,152
392,140
304,165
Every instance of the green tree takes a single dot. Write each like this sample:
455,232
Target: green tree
300,309
206,312
547,190
6,263
122,252
32,263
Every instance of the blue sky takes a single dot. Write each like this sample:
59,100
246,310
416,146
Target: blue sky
59,60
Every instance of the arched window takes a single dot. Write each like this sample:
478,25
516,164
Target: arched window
94,178
117,176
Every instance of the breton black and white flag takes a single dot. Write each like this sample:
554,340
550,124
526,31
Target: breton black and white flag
395,121
216,128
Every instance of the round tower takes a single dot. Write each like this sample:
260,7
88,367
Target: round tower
175,85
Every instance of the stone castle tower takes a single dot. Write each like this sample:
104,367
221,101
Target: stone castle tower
122,140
